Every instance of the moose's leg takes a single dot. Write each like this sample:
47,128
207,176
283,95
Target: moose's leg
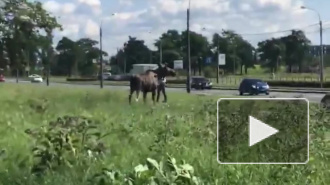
153,96
158,92
130,96
137,95
144,96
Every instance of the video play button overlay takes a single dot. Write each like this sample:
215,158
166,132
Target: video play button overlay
262,131
259,131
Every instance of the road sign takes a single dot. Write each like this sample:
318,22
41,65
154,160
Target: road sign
222,59
178,64
259,131
208,60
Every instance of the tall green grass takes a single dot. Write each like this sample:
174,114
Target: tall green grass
185,128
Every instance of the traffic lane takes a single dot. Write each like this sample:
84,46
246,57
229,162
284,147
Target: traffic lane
312,97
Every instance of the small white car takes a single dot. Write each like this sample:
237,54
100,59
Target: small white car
106,75
33,76
36,78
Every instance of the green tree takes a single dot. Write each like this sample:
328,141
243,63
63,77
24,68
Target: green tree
239,52
22,36
199,49
77,57
297,47
66,57
271,51
135,52
88,52
170,42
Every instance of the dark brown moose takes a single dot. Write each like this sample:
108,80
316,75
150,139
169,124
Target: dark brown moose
150,81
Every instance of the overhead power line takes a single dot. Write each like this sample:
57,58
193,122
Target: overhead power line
281,31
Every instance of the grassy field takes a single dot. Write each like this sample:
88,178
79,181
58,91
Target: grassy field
184,129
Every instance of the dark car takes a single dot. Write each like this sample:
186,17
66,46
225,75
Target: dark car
253,86
199,82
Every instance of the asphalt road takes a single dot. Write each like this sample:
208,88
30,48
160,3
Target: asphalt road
312,97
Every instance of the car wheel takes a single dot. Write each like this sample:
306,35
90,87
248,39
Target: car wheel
241,93
267,93
257,93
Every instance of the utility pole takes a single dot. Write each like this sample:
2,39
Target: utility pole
218,61
101,58
10,17
161,51
49,36
321,45
125,45
234,72
188,51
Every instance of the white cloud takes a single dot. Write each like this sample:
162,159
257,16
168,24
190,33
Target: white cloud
68,8
92,3
283,4
126,2
91,28
245,7
57,8
272,28
52,6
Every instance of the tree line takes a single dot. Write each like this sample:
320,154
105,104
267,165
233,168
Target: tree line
27,37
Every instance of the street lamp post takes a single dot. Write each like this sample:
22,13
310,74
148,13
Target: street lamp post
101,53
150,53
321,43
188,51
10,17
101,58
161,50
125,57
50,54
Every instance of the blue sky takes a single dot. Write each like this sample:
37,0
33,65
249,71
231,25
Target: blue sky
147,19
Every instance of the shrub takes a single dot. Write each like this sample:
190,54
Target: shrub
297,84
152,172
64,142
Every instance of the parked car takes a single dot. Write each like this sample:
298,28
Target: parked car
2,78
253,86
33,76
106,76
199,82
36,78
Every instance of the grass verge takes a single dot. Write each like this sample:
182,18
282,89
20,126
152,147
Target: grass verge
184,129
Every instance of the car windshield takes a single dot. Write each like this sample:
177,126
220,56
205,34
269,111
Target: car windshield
261,83
256,81
199,79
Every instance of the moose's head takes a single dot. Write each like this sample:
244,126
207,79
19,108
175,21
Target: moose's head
164,70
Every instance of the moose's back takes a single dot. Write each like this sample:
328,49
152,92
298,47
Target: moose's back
146,82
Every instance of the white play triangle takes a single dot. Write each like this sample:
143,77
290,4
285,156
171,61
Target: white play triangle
259,131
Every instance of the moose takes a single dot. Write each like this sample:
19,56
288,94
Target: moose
151,81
